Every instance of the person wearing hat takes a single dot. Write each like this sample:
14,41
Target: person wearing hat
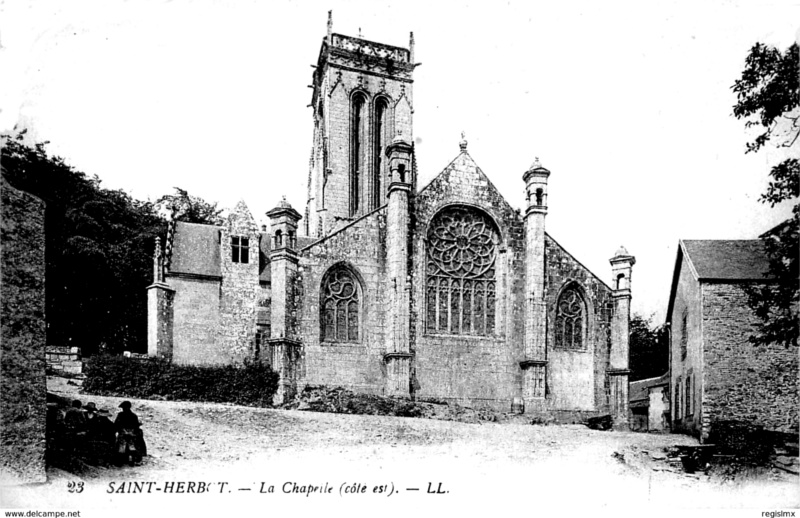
91,410
99,433
74,418
128,431
74,426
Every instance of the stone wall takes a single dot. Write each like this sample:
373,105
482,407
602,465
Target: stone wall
474,370
197,321
160,320
658,409
577,380
240,291
358,365
23,388
743,382
686,335
64,360
329,194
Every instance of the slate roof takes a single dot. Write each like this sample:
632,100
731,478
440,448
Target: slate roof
733,260
195,249
264,246
720,260
639,390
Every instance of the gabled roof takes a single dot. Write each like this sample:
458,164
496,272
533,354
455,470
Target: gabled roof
639,390
549,238
719,260
464,164
195,250
264,246
739,260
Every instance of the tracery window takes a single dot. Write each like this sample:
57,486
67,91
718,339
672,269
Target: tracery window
570,319
461,252
340,306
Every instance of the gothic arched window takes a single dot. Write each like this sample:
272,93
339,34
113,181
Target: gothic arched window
461,252
570,319
357,121
378,147
340,306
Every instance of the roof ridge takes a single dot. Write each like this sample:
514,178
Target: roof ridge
197,224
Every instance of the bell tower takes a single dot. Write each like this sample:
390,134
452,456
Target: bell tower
362,98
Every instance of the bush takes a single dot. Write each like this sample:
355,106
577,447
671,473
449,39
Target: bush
251,384
748,442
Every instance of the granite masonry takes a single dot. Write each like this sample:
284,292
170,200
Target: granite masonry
64,360
716,373
22,362
437,292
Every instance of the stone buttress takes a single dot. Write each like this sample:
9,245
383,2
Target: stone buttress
398,352
283,342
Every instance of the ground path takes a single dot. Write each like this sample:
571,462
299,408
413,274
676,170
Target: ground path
479,466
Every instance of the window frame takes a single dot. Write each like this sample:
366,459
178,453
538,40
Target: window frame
569,288
684,338
688,396
240,244
482,287
356,297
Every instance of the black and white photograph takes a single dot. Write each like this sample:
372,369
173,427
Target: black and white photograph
399,258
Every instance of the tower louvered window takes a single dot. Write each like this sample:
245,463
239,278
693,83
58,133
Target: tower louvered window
461,254
570,320
340,306
357,121
378,147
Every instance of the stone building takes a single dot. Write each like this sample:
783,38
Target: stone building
23,388
650,404
383,286
716,374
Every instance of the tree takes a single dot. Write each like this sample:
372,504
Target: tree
99,246
191,209
98,251
768,96
649,349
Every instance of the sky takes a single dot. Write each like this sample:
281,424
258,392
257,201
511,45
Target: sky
628,104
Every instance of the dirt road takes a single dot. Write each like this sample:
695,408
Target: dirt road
240,453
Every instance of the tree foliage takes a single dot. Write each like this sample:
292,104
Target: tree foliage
99,246
768,97
767,94
184,207
649,349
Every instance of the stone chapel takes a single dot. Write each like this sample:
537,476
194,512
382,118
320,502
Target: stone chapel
383,286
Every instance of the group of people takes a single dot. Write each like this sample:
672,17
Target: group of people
88,431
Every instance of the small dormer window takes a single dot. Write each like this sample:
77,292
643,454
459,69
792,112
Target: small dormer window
240,249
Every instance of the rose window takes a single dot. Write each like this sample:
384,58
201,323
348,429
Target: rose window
461,251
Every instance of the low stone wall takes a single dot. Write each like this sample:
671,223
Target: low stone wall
135,356
64,360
